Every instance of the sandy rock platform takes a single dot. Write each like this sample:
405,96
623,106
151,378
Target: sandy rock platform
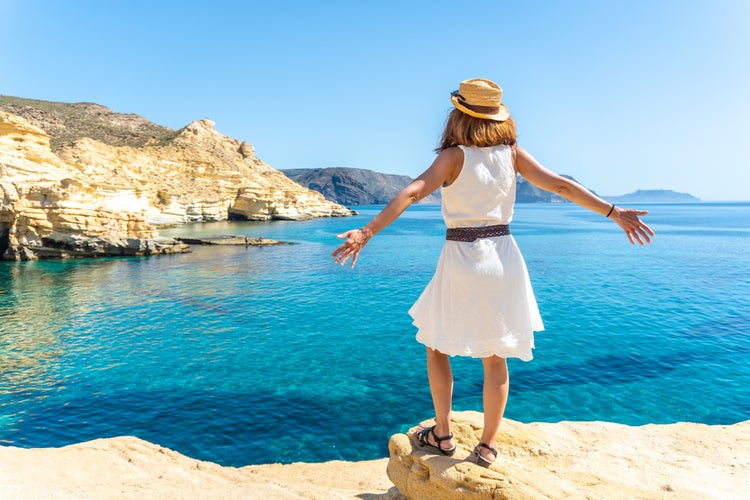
568,460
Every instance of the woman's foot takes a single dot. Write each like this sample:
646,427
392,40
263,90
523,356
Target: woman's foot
444,444
485,454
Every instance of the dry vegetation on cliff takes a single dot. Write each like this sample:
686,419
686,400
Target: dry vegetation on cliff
65,123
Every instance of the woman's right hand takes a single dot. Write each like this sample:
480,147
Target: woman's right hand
356,239
629,220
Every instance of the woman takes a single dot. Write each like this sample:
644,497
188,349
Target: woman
480,302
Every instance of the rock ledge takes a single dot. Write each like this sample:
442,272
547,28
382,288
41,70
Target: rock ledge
572,460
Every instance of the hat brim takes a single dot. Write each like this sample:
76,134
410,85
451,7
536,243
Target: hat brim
501,116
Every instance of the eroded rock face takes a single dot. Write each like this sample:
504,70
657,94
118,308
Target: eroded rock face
95,199
200,175
49,210
579,460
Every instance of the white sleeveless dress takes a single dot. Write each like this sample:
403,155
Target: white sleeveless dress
480,302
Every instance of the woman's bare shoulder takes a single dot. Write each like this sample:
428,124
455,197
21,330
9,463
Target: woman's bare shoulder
453,158
452,153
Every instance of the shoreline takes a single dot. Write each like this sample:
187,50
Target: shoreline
538,460
128,467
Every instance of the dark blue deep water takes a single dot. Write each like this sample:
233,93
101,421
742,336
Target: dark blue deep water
245,355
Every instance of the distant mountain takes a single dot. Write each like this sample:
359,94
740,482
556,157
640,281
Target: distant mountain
653,195
355,186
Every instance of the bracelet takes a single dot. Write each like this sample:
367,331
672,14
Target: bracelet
610,210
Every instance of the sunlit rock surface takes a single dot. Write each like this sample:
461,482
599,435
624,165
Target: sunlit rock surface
570,460
579,460
49,209
90,198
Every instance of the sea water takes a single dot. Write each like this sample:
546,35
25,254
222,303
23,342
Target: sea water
243,355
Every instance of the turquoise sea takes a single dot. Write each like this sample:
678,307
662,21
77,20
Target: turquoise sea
252,355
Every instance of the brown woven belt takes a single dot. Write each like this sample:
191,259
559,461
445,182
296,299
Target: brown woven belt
473,233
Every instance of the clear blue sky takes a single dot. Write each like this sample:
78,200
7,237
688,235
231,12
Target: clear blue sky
621,95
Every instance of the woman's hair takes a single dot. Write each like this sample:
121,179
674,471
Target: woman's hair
465,130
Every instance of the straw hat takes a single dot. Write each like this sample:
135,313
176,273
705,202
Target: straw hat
480,98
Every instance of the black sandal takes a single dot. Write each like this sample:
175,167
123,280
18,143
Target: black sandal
423,438
481,461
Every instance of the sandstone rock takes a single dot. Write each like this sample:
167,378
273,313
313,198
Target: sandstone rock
572,460
247,150
199,175
127,467
95,199
231,240
49,210
269,202
579,460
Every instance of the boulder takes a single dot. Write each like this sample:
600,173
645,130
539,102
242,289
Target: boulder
247,150
579,460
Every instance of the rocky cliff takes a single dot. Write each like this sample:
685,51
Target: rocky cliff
48,209
89,197
199,175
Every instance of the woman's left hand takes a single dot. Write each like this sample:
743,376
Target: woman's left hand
356,240
629,220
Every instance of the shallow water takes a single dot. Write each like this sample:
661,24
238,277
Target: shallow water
251,355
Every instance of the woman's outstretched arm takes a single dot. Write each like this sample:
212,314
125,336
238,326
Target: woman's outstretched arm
442,169
627,218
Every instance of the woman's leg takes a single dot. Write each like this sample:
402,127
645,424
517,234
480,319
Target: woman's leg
441,386
495,393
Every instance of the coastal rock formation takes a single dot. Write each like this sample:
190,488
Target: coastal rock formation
579,460
199,175
89,198
575,460
48,209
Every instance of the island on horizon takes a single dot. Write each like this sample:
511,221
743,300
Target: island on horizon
654,196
